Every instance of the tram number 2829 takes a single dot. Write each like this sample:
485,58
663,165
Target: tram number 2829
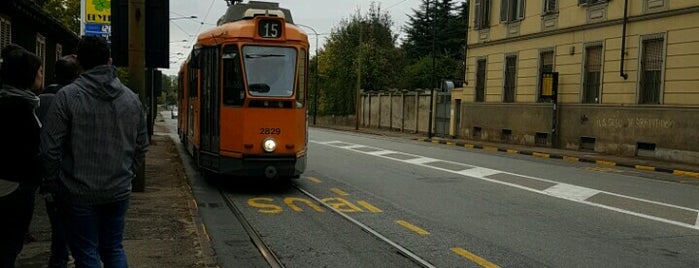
270,131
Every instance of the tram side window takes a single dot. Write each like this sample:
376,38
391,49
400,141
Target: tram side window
233,86
193,74
301,93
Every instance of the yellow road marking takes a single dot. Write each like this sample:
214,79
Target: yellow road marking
542,155
314,179
512,151
369,207
450,143
339,192
470,146
413,228
435,141
571,158
686,173
490,149
474,258
647,168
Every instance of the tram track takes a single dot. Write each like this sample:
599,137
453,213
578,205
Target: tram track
255,237
403,251
272,259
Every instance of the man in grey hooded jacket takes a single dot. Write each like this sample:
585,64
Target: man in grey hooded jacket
93,142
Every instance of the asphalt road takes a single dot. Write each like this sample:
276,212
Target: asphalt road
455,207
482,208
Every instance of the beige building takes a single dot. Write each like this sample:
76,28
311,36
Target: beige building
627,76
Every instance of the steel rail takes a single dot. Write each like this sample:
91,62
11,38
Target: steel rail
405,252
266,252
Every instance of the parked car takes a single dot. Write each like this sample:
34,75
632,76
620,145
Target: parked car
173,113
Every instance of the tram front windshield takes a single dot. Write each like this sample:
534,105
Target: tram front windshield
270,71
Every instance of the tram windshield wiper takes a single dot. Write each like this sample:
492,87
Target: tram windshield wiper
262,88
254,56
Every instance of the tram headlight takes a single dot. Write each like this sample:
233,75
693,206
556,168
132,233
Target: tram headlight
269,145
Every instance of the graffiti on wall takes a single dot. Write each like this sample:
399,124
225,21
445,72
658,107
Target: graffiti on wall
637,123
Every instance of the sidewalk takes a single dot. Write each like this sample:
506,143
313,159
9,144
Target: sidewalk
686,173
162,224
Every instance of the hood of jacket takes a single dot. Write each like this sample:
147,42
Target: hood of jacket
8,91
101,82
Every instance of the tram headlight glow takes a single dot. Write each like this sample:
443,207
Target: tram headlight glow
269,145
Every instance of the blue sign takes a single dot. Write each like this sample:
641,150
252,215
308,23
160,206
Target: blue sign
94,29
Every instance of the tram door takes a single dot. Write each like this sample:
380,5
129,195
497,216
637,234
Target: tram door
210,103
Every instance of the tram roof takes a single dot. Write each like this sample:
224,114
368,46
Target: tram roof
238,22
252,9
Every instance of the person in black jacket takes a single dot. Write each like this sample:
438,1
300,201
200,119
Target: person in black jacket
66,70
22,74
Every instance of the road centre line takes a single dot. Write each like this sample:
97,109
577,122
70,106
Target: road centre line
412,227
560,190
474,258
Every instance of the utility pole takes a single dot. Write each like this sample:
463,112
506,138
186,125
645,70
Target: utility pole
359,81
432,85
137,65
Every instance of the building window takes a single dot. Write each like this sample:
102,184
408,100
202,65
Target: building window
592,74
545,66
511,10
590,2
480,80
59,51
651,70
510,78
482,16
5,32
550,7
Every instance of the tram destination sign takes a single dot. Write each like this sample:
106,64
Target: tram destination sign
269,28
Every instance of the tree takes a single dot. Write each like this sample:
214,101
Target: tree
65,11
343,52
436,30
168,96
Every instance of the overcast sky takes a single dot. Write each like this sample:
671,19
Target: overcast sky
321,15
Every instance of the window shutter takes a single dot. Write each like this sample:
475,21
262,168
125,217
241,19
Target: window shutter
594,59
478,15
520,10
486,14
504,8
652,55
550,6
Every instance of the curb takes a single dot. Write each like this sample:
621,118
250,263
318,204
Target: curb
600,162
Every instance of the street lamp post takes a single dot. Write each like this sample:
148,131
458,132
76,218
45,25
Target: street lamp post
315,76
432,84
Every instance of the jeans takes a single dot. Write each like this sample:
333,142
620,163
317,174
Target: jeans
95,233
59,244
16,209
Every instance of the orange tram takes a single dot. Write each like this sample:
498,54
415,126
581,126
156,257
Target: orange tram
242,94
